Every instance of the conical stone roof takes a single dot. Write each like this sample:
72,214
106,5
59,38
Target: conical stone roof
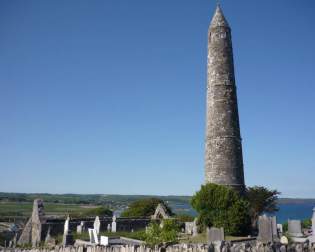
218,19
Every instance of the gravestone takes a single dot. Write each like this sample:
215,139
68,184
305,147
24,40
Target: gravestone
81,228
67,237
215,234
280,228
189,228
274,227
104,241
313,222
66,226
97,225
312,237
108,227
93,236
265,229
114,225
195,228
295,228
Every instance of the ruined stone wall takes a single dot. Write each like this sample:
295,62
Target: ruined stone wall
123,224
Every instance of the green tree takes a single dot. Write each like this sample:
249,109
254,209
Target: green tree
184,218
162,234
144,208
98,211
220,206
261,200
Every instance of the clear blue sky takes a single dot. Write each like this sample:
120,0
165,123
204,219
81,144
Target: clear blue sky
108,96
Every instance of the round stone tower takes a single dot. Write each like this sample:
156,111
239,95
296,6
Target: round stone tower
223,154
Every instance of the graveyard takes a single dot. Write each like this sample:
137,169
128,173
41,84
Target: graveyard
224,215
129,233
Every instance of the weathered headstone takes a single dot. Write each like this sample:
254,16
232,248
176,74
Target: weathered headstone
67,236
97,225
114,225
189,228
313,226
295,228
265,228
195,228
93,236
215,234
274,227
104,241
80,228
108,227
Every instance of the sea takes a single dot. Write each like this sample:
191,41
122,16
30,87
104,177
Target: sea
298,211
293,211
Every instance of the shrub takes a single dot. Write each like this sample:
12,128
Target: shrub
220,206
307,223
99,211
166,233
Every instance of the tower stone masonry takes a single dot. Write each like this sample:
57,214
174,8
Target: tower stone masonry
223,148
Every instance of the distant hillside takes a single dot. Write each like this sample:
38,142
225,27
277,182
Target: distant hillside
20,204
108,199
83,198
296,201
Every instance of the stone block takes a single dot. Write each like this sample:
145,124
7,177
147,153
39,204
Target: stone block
215,234
295,228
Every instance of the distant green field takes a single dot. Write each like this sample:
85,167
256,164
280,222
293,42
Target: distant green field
25,209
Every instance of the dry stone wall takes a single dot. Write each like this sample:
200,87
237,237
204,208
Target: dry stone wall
214,247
